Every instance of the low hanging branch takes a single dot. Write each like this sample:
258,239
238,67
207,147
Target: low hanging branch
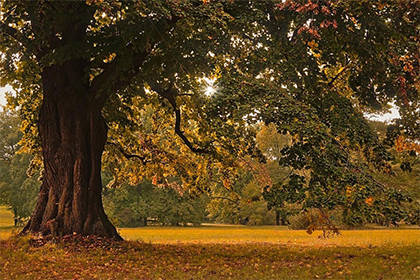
170,94
181,134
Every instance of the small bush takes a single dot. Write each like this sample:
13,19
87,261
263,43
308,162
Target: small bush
299,221
312,218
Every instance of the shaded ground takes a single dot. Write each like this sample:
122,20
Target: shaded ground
134,260
215,253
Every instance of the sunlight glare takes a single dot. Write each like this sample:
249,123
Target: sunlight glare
210,88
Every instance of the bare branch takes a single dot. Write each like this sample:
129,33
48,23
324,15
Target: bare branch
287,176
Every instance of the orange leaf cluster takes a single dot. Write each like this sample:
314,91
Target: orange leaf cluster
401,145
307,7
369,201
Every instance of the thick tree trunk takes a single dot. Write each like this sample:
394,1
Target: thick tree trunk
73,135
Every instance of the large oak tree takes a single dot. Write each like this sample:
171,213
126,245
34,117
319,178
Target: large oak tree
82,69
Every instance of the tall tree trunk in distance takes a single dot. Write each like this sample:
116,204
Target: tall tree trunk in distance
73,134
277,217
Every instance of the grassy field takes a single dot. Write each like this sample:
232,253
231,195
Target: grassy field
215,253
6,223
6,218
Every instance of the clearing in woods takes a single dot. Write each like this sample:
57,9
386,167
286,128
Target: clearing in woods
211,252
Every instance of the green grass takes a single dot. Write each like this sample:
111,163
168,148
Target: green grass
217,253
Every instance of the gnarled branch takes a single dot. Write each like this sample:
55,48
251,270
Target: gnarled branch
170,94
127,155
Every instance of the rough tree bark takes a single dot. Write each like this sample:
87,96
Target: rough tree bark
72,130
73,135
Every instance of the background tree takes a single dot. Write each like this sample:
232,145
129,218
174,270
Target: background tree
130,206
271,143
291,87
17,190
405,167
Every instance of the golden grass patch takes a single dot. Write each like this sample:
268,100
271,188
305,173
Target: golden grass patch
244,234
392,237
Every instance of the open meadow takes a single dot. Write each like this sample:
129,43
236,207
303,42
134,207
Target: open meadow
215,252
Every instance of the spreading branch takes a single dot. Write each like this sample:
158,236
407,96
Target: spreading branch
170,95
113,79
18,36
181,134
128,155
